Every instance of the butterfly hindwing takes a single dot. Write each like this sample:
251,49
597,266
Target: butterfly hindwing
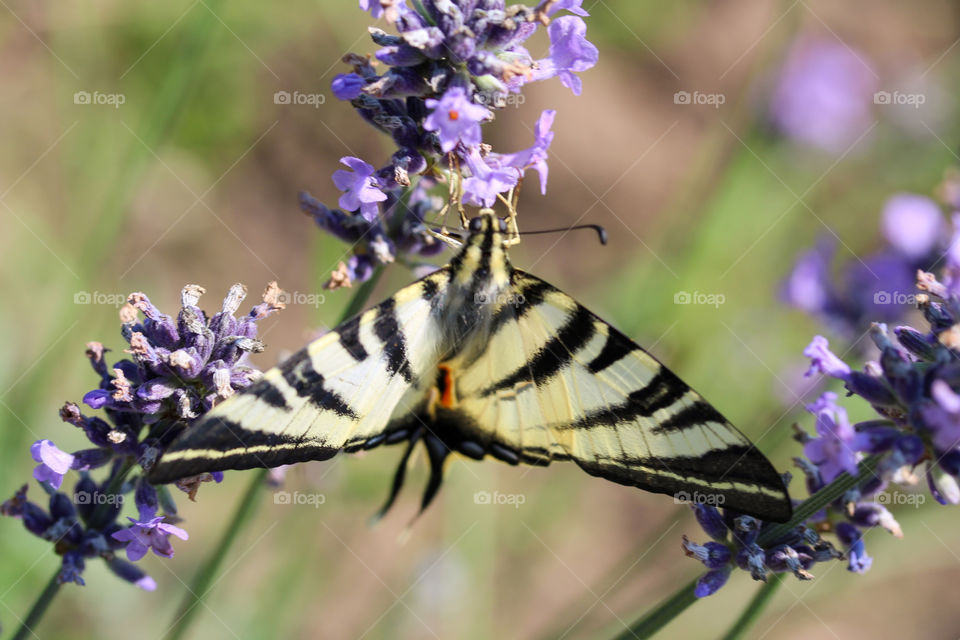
556,382
339,392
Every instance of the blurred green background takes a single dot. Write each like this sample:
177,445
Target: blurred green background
194,179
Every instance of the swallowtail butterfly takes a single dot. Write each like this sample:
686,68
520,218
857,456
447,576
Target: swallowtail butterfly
482,359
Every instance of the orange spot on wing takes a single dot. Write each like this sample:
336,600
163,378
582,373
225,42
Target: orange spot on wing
445,385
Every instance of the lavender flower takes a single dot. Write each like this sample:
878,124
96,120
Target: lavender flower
833,450
149,532
179,368
570,52
455,119
448,70
359,191
914,388
54,463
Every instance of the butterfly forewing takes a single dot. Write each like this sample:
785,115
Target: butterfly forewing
567,385
340,391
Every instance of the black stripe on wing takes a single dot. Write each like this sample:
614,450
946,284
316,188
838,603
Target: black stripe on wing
664,389
388,330
740,464
300,374
219,444
554,356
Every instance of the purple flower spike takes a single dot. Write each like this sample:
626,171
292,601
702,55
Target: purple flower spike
360,190
912,224
822,360
455,118
150,532
834,451
570,52
54,463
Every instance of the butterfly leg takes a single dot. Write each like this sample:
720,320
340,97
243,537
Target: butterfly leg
398,477
437,452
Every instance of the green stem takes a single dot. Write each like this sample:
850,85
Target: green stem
202,581
662,614
39,608
673,606
754,609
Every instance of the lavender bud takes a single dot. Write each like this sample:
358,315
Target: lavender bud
917,343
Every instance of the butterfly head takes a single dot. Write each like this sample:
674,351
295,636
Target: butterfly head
481,270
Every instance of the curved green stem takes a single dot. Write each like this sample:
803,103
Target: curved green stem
754,609
662,614
203,580
39,608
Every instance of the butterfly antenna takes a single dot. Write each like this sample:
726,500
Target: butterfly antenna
398,479
601,232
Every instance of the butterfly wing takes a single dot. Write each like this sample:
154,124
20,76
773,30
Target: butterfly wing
558,383
341,392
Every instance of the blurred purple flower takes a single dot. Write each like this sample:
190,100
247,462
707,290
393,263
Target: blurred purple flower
808,286
373,6
823,95
822,360
912,224
54,463
455,118
360,188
